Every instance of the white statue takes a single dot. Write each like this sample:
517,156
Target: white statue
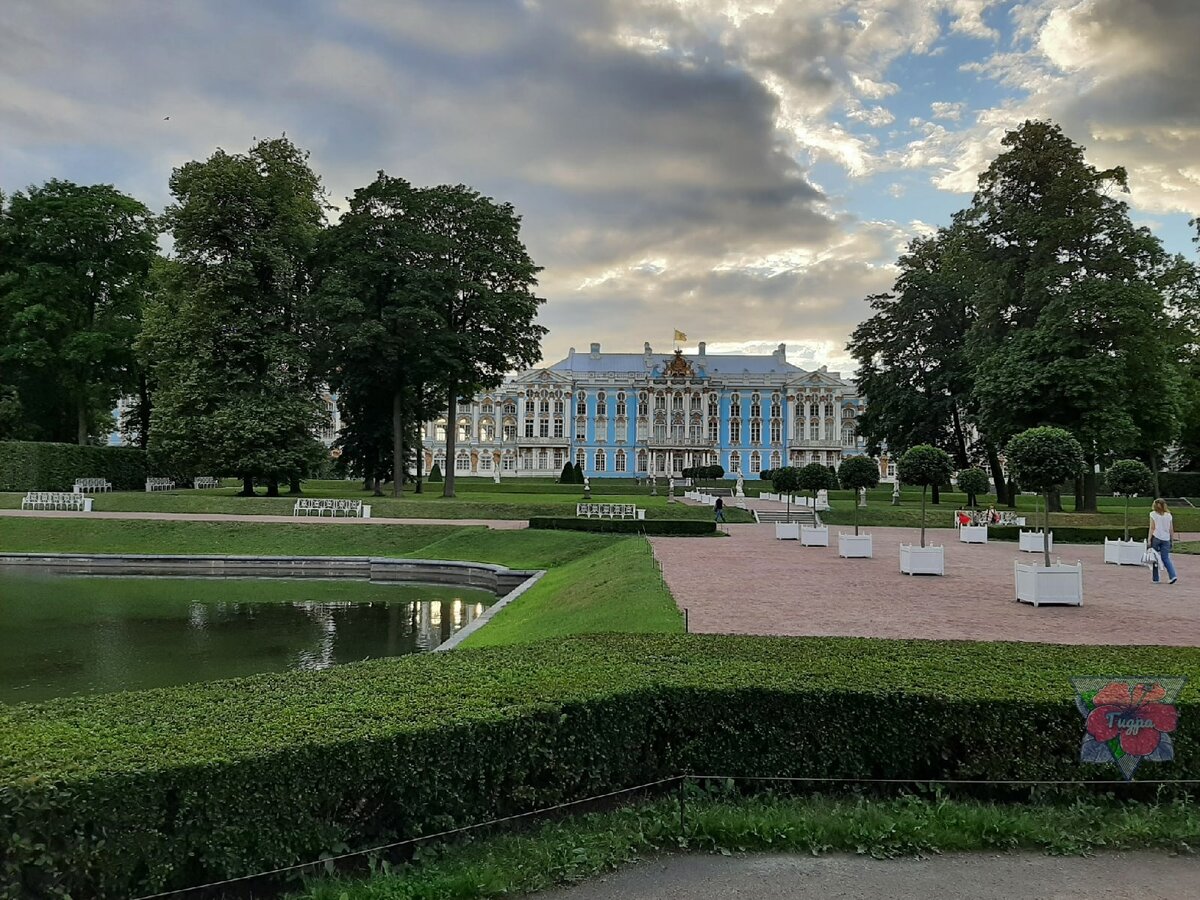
741,484
862,498
496,474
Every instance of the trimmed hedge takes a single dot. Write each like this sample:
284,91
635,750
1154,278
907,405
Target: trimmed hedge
626,526
30,466
132,793
1071,534
1179,484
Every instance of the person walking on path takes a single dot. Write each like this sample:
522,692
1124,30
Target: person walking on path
1162,533
719,506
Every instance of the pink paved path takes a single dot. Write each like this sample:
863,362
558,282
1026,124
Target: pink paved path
750,583
498,524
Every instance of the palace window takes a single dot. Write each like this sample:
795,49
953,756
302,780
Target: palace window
828,409
735,461
558,428
440,431
558,460
510,429
677,402
891,469
776,409
735,431
643,429
755,431
641,461
601,430
543,428
696,402
580,430
619,461
559,408
543,459
694,432
755,463
601,404
620,404
712,406
510,408
622,432
601,461
847,437
776,431
464,429
581,404
755,406
814,432
660,401
581,460
485,462
735,407
508,462
529,428
487,431
486,406
713,425
462,463
775,459
544,408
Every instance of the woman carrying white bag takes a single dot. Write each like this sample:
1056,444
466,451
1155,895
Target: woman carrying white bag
1162,533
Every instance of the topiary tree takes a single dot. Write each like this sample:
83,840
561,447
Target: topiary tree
973,482
715,472
567,476
816,477
925,465
858,473
1041,459
767,475
435,474
786,481
1129,477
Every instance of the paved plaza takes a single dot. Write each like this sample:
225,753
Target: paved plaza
751,583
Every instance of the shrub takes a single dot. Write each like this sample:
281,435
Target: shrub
927,466
1041,459
786,481
815,477
1129,477
132,793
767,474
626,526
1179,484
858,473
567,476
33,466
435,474
1063,534
973,482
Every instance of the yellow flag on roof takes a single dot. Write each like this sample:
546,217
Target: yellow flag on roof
680,336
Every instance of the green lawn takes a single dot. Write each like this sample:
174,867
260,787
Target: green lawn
594,583
475,500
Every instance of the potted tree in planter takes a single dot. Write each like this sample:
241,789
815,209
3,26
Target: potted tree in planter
973,482
1127,477
786,481
814,478
1042,459
857,473
925,465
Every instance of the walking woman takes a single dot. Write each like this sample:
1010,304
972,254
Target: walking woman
1162,533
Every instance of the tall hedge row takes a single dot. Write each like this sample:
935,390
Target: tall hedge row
30,466
1179,484
132,793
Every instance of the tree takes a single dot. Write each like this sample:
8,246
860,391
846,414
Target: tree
786,480
815,477
856,474
925,465
233,355
1070,311
481,281
435,474
1041,459
376,297
973,482
1128,477
567,476
76,259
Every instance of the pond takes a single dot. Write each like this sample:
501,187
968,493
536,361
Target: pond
81,635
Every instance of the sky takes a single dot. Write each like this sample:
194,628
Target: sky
745,172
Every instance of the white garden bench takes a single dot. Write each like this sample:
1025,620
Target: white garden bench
308,506
159,484
609,511
56,500
91,485
205,482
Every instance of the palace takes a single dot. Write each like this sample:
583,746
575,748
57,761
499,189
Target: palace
641,414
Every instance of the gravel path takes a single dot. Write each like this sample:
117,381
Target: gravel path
750,583
498,524
1131,876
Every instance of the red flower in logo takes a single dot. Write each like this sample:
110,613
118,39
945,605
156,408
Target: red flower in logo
1135,712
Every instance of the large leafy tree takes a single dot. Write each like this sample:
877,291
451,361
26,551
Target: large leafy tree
1070,313
232,351
481,279
378,294
74,261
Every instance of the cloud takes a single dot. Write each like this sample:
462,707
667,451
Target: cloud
944,109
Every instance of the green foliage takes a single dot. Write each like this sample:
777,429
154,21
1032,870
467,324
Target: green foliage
786,480
1041,459
1064,534
231,350
568,474
767,475
74,262
927,466
435,474
1179,484
30,466
973,482
206,781
858,473
626,526
1129,477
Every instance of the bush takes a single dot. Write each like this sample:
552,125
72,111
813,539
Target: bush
973,482
1063,534
435,474
32,466
1179,484
131,793
626,526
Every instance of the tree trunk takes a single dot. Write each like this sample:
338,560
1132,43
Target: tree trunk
936,496
451,437
1054,501
1046,528
1089,490
1154,473
81,422
272,487
377,487
367,481
397,444
419,489
294,486
960,441
144,408
924,488
247,486
1080,497
997,474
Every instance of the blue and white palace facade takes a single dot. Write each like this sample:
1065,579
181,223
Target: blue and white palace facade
622,415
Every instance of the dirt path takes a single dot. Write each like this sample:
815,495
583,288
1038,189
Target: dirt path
750,583
1132,876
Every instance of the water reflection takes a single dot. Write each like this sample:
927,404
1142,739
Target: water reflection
85,635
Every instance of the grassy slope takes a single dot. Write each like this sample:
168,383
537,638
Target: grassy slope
576,849
617,588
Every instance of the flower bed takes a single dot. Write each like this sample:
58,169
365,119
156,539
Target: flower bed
127,794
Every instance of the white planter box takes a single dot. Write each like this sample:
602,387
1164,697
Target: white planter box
366,511
1033,541
1058,584
922,560
972,534
87,504
1124,553
854,546
814,535
787,531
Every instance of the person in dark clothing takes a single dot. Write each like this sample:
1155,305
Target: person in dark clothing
719,506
